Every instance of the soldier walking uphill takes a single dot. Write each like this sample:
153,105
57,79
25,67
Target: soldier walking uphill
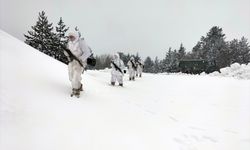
117,70
77,56
131,68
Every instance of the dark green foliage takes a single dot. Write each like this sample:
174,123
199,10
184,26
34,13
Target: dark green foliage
212,48
43,38
181,52
157,65
148,65
103,61
61,41
240,50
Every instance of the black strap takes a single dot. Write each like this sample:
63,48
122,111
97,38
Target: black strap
72,56
139,63
116,67
133,65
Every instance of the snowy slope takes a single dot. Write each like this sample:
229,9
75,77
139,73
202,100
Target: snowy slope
157,112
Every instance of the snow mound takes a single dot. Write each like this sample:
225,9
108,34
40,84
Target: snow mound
235,70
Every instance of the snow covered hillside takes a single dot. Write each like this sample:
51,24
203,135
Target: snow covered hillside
156,112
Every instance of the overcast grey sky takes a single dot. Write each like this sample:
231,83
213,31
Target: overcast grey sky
145,26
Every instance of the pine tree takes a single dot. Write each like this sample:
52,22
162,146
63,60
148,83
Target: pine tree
197,51
61,30
213,43
234,47
61,41
165,63
156,65
148,65
98,62
103,61
181,52
137,57
107,61
244,51
41,36
213,48
190,56
173,66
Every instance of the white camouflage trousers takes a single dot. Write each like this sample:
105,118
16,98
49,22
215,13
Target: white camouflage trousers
139,70
75,71
115,76
131,72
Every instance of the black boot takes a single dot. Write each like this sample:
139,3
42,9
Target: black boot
133,78
130,79
140,75
81,89
77,93
73,93
120,84
113,83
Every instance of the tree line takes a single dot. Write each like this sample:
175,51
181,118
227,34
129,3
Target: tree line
212,47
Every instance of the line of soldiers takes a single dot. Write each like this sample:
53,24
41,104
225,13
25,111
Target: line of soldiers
78,53
135,69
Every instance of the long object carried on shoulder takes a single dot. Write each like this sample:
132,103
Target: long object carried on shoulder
72,56
116,67
140,63
133,65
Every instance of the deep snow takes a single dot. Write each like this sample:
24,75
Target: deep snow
235,70
156,112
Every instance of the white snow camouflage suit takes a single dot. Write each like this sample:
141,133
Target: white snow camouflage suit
78,48
116,75
139,65
131,68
